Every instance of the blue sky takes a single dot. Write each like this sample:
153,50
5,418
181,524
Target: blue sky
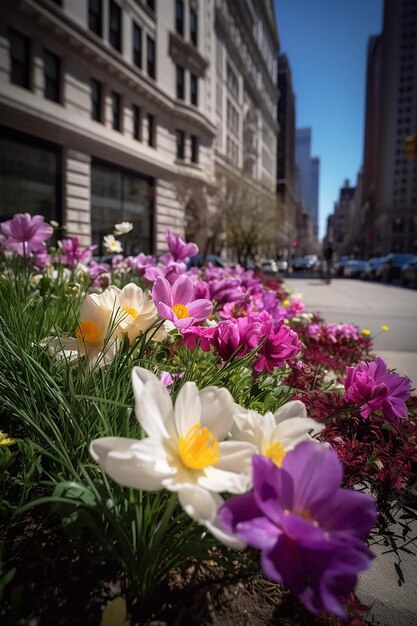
326,41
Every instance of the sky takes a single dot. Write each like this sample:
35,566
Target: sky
326,42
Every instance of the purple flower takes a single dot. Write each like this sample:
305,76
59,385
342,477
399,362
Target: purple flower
234,333
280,345
373,388
170,271
26,234
177,304
179,249
198,335
142,261
75,254
311,531
95,269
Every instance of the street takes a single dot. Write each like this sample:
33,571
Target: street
370,305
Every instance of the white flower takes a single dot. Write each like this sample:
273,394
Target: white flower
123,228
111,244
275,434
184,451
95,336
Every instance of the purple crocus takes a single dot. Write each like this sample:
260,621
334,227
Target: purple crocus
311,531
73,253
179,249
26,234
372,387
280,343
177,303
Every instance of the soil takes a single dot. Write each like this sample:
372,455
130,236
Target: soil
54,586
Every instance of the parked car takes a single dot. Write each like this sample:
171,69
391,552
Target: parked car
372,267
354,268
199,260
310,261
269,266
391,267
282,266
339,266
298,263
409,272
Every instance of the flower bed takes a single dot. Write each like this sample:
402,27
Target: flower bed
179,444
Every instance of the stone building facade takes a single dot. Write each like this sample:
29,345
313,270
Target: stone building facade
107,107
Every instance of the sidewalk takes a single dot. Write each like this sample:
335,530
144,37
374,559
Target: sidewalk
370,305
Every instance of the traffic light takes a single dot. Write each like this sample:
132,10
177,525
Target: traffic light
410,146
294,244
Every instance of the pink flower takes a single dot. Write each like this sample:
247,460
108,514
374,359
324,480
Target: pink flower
281,344
75,254
201,335
26,234
179,249
176,303
373,388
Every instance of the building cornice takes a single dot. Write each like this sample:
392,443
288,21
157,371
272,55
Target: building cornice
185,54
91,47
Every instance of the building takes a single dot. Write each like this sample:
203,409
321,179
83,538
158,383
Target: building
371,142
286,167
343,209
108,109
309,168
390,188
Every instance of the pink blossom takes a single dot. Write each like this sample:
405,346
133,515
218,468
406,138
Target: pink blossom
179,249
95,269
142,261
198,335
75,254
373,388
177,302
281,344
26,234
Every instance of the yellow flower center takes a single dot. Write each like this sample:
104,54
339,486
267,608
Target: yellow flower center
87,332
304,514
366,332
286,302
199,448
133,312
181,311
276,453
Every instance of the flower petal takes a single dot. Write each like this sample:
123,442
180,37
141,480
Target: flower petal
118,457
294,408
187,408
161,292
182,290
199,504
217,408
153,405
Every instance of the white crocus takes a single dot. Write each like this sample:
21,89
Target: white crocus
123,228
139,313
111,244
95,336
184,451
275,434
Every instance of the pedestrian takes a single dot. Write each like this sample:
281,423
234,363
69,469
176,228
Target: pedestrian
328,257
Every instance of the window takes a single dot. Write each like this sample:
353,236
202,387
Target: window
137,119
52,76
30,177
194,89
180,144
151,131
194,149
116,111
150,56
137,45
116,196
95,16
96,100
232,82
232,119
115,26
19,59
193,27
180,83
179,17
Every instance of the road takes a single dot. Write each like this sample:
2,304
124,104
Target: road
370,305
